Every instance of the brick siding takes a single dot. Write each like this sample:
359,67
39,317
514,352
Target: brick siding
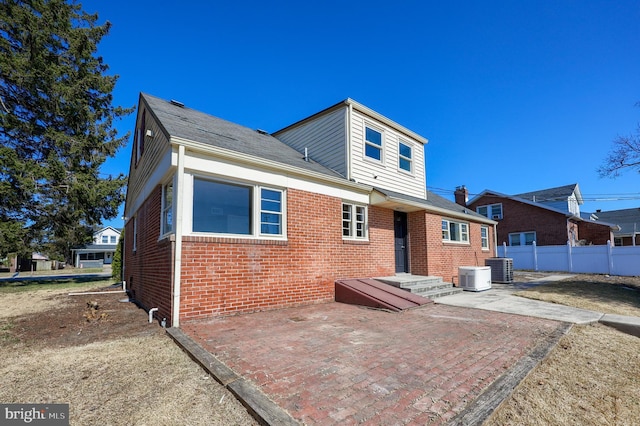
148,270
551,227
432,256
223,276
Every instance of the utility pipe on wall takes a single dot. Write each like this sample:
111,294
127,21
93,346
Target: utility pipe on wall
151,311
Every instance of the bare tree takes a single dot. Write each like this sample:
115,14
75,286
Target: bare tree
624,154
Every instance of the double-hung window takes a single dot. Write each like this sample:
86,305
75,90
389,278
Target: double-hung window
405,157
113,239
453,231
167,208
373,144
231,208
492,211
484,237
354,221
105,239
270,211
522,238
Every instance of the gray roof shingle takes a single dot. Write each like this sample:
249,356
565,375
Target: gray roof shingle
187,123
551,194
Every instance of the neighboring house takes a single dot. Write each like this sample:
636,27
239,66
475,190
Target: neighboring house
629,222
100,252
223,219
548,217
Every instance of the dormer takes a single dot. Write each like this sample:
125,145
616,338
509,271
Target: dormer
363,146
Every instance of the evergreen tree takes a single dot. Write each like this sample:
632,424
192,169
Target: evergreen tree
56,126
116,264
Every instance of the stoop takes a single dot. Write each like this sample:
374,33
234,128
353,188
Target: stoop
425,286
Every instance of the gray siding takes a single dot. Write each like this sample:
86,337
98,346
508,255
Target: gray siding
324,137
154,151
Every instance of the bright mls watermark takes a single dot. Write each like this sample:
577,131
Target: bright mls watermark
34,414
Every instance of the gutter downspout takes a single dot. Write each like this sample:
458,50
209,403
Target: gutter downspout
495,240
348,153
177,260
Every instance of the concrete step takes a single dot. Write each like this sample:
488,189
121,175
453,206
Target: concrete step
425,286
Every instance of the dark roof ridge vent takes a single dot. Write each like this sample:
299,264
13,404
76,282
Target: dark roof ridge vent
176,103
262,132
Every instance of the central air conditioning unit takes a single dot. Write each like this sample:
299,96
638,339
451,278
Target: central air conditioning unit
501,269
474,278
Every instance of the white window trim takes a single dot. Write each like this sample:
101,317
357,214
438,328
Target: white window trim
165,209
256,210
448,232
490,214
135,234
353,221
411,170
522,238
485,246
381,147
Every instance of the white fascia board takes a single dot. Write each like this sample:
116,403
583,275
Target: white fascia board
236,157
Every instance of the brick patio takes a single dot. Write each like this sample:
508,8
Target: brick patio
334,363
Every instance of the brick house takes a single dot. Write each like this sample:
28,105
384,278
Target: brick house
548,217
222,219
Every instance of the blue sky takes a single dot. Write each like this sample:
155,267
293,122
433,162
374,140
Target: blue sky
513,96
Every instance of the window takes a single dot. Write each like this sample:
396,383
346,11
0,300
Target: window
113,239
492,211
522,238
139,138
354,221
373,144
270,212
455,231
229,208
105,239
405,157
484,237
135,234
167,208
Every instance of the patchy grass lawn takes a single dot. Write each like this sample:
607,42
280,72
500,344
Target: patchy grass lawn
103,358
593,375
600,293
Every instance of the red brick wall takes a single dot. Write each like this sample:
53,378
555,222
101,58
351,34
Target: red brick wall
431,256
551,228
594,233
148,270
224,276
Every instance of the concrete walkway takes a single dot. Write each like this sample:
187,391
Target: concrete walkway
501,298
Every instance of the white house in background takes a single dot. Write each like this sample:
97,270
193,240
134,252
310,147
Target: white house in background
101,251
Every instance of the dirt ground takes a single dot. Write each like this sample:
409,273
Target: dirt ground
102,357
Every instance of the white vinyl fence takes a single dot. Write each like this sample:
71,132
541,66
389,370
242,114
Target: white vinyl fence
604,259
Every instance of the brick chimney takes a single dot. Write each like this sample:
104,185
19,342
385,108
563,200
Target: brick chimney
462,195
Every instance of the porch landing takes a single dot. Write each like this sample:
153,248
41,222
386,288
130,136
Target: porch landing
426,286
